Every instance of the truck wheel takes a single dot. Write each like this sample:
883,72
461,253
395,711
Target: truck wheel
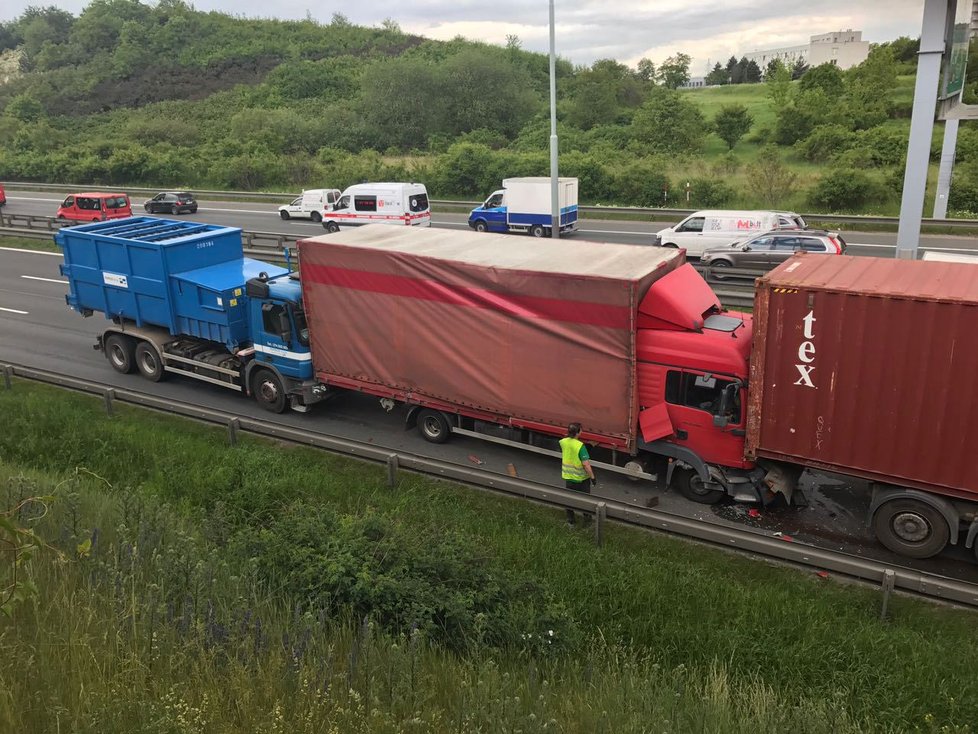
691,487
148,362
433,426
317,217
911,528
119,350
284,215
481,226
537,230
268,391
332,227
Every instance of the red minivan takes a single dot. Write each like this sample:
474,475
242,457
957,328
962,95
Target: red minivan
95,207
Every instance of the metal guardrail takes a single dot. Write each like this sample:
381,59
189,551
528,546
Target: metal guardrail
737,289
752,541
655,213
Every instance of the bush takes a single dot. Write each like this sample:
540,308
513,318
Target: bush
726,164
964,189
643,183
887,145
845,190
669,123
826,142
769,179
710,192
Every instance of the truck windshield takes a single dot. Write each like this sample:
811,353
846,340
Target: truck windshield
301,327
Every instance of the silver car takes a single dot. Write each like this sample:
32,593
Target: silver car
766,250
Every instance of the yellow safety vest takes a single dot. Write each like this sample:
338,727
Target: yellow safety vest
571,466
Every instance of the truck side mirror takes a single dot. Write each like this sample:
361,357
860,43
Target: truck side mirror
720,421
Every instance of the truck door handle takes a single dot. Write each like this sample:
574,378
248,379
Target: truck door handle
682,435
739,432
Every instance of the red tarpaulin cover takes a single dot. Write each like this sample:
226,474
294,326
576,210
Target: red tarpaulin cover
532,331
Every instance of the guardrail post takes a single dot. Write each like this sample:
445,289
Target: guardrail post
108,396
392,464
233,425
7,369
600,515
889,581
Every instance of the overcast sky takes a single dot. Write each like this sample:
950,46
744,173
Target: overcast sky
587,30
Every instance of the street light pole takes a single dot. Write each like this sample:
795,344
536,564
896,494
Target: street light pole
554,199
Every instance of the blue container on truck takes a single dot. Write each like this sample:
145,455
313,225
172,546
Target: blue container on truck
525,205
183,298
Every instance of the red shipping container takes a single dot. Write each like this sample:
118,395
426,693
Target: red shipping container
866,366
530,332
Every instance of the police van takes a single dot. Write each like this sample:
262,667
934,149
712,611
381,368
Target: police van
380,203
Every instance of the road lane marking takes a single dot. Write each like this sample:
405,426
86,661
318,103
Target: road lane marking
47,280
13,310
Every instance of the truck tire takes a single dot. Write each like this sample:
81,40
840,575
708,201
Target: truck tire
691,487
911,528
433,426
119,349
317,217
331,227
148,362
537,230
481,226
268,391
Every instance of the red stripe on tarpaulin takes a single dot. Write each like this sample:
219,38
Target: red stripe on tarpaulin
526,307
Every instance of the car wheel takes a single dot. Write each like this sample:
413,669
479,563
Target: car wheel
173,209
481,226
193,209
332,227
285,215
718,266
148,208
317,217
673,245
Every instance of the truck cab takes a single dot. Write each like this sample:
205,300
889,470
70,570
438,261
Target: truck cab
491,216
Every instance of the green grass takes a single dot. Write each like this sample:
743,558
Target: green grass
29,243
660,632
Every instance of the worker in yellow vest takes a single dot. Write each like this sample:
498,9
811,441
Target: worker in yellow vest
575,465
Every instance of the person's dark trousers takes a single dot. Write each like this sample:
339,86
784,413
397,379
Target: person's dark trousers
584,487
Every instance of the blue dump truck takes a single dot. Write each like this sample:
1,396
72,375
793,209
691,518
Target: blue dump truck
183,298
524,205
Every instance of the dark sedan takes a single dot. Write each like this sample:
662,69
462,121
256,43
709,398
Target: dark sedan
766,250
171,202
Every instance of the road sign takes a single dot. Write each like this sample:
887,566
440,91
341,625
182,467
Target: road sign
956,53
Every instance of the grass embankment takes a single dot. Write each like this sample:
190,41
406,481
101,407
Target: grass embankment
273,588
29,243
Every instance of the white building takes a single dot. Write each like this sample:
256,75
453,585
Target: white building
841,48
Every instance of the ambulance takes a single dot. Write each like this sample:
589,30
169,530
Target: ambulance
380,203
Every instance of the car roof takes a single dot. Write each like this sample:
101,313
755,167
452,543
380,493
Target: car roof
97,194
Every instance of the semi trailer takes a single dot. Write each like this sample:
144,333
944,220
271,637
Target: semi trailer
487,338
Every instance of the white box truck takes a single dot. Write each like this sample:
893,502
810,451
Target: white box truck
524,205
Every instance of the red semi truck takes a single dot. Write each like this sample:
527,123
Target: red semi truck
857,366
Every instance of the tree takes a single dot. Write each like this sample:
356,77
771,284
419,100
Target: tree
769,179
826,77
873,79
752,72
645,70
732,123
597,96
718,75
730,67
674,71
798,69
737,71
778,83
669,123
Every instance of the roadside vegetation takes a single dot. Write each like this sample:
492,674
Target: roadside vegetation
179,584
263,105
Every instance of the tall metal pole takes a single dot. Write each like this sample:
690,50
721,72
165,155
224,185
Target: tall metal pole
947,167
554,199
932,40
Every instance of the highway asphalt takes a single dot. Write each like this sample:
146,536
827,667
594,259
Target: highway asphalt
263,217
38,330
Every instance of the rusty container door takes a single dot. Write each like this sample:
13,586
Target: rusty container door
868,367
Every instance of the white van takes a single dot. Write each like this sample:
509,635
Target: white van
716,228
380,203
310,205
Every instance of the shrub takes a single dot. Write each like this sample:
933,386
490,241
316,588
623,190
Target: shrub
710,192
844,190
643,183
826,142
769,179
964,189
668,123
887,145
726,164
